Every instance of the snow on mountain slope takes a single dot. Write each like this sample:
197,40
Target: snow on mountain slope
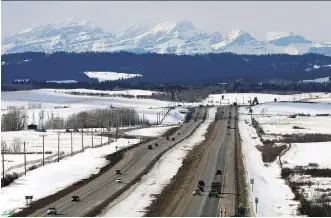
318,80
72,35
77,35
284,38
110,76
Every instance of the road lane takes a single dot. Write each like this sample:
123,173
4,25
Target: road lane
132,165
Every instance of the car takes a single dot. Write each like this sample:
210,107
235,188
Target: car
230,117
218,172
229,122
197,113
119,180
75,198
201,183
178,133
228,133
197,191
68,130
156,144
195,120
118,172
173,139
229,127
214,193
201,188
167,137
229,112
150,147
52,210
216,185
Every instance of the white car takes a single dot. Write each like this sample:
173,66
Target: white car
118,180
51,210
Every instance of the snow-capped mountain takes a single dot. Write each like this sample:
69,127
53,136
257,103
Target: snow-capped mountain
154,36
72,35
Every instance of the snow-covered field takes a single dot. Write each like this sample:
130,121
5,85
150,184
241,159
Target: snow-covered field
34,143
243,98
150,132
133,202
275,197
51,98
110,76
53,177
274,120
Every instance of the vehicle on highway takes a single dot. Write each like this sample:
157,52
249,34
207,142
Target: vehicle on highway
118,172
217,186
201,183
229,122
173,139
52,210
230,117
178,133
119,180
201,188
167,137
195,120
197,191
214,193
149,147
68,130
228,133
218,172
156,144
229,127
230,113
75,198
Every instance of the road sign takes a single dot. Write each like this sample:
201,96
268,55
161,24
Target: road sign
256,200
252,181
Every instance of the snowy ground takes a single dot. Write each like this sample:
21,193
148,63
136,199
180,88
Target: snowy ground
273,194
50,98
110,76
243,98
33,142
53,177
274,120
150,132
132,202
303,155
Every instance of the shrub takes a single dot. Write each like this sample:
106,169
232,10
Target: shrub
9,178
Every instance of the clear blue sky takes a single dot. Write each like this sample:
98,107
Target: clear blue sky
310,19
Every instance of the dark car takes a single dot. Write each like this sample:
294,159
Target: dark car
201,188
228,121
230,117
218,172
201,183
216,185
68,130
149,147
173,139
118,172
214,193
178,133
195,120
167,137
229,127
75,198
156,144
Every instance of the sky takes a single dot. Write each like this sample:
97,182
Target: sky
308,18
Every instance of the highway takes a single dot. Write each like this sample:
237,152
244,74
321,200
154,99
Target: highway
101,189
219,155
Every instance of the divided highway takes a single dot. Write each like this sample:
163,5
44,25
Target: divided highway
218,156
135,161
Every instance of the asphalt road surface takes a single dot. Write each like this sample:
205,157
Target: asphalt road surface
133,163
219,155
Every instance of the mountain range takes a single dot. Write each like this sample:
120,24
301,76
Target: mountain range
78,35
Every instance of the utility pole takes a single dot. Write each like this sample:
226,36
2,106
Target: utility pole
3,164
71,142
58,146
100,132
24,159
43,150
92,137
82,138
236,159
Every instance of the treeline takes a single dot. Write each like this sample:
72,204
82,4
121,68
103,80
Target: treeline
164,68
16,119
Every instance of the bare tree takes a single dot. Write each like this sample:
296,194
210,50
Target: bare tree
14,120
41,118
3,145
16,145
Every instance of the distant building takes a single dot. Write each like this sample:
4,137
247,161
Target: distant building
32,127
